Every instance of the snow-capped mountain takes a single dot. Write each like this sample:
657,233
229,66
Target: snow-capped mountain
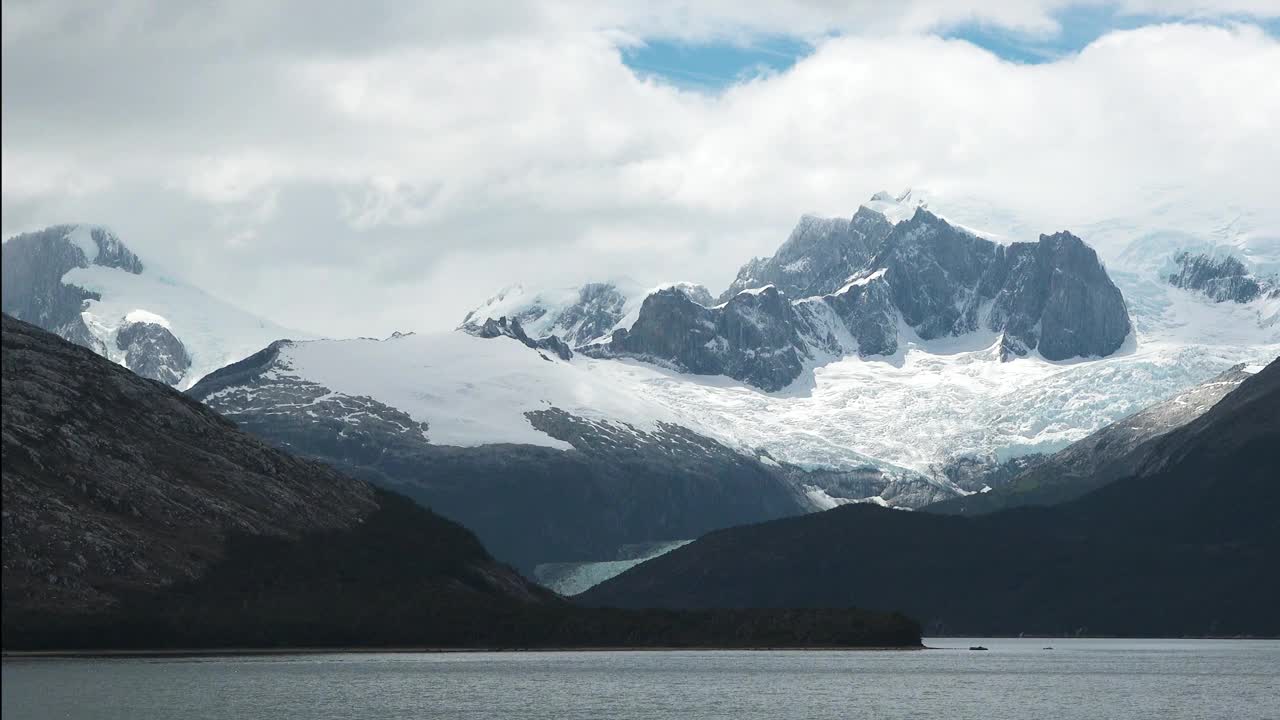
562,425
953,341
924,275
82,283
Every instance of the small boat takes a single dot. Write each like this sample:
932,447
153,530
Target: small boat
1048,648
976,647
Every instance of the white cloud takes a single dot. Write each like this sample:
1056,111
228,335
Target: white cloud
360,174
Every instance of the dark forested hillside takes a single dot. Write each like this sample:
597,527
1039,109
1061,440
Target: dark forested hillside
1171,550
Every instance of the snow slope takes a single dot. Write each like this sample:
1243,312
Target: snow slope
215,333
474,391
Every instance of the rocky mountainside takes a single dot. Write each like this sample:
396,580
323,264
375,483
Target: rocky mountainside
1116,451
1222,279
848,287
83,284
135,517
818,258
1169,551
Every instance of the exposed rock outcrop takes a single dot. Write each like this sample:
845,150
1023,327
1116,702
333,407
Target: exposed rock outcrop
510,327
1221,279
753,337
153,352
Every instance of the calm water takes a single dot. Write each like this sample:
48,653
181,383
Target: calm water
1015,679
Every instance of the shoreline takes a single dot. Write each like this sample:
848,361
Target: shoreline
271,652
413,650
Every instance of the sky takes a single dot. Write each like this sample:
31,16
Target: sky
358,168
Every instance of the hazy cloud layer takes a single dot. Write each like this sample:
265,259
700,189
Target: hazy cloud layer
355,171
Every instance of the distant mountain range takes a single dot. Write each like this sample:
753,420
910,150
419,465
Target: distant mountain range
1183,545
905,355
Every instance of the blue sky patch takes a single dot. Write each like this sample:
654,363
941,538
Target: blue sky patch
1080,25
713,66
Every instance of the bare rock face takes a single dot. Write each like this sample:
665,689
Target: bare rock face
1056,297
753,337
1221,279
510,327
153,352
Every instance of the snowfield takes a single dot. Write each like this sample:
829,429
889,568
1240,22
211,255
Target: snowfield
214,333
931,401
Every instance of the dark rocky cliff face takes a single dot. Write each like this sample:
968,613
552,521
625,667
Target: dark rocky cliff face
1052,295
153,352
1222,279
510,327
1060,284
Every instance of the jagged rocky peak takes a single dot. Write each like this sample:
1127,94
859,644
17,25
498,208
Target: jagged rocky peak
818,257
510,327
1059,286
1052,295
1221,279
935,274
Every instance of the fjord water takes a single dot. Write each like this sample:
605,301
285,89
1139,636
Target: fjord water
1014,679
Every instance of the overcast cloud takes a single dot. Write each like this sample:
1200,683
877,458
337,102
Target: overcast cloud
354,168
